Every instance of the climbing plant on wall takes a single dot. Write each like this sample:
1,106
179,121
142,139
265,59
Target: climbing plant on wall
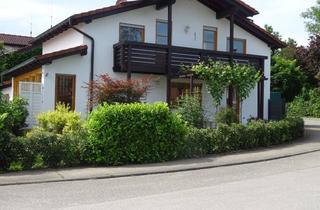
218,76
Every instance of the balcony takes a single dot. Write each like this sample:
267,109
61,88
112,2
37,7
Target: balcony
147,58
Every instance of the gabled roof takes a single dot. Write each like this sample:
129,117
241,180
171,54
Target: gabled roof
15,40
243,11
38,61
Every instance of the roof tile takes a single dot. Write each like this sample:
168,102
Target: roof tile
11,39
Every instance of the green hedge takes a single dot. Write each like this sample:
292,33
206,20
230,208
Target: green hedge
224,138
134,133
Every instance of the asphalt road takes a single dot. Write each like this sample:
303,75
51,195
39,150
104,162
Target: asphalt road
291,183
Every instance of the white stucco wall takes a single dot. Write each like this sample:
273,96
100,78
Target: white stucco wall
9,91
105,31
65,40
74,65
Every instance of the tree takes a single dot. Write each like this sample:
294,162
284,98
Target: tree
9,60
218,76
312,16
108,90
2,50
286,77
289,51
270,29
309,60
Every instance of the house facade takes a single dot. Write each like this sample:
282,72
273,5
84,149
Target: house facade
155,37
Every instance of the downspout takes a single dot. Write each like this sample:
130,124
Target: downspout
91,60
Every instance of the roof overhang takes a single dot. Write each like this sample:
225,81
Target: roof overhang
223,8
38,61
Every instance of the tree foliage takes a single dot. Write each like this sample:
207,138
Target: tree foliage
218,76
9,60
312,16
108,90
309,59
286,77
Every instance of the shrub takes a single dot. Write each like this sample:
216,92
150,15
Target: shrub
107,90
55,150
224,138
60,120
6,146
190,109
226,116
197,143
17,114
134,133
307,104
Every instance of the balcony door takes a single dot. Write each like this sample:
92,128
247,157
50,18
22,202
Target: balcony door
66,90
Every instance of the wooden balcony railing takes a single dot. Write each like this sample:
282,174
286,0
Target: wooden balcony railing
152,58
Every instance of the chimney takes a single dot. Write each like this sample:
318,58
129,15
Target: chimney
120,2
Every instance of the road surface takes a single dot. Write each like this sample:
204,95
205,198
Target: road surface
290,183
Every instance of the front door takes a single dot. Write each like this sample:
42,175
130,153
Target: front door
65,90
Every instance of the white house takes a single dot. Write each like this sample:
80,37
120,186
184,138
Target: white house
143,37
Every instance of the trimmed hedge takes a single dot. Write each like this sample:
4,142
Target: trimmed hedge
134,133
224,138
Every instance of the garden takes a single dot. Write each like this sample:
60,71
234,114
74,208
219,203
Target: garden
122,130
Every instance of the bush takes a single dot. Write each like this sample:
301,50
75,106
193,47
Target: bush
107,90
54,149
17,114
190,109
226,116
134,133
224,138
60,121
307,104
6,146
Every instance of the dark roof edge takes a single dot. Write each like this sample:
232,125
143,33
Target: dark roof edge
87,17
38,61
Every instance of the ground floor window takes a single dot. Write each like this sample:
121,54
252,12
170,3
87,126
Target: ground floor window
32,76
179,89
65,90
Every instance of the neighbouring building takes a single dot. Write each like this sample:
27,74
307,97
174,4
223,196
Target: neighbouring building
146,37
14,42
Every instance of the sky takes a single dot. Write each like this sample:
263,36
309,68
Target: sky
16,15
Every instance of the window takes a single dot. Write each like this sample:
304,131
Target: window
65,89
162,32
240,45
131,33
179,89
210,36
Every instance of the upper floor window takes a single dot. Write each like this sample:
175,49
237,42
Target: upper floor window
239,45
210,36
130,32
162,32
